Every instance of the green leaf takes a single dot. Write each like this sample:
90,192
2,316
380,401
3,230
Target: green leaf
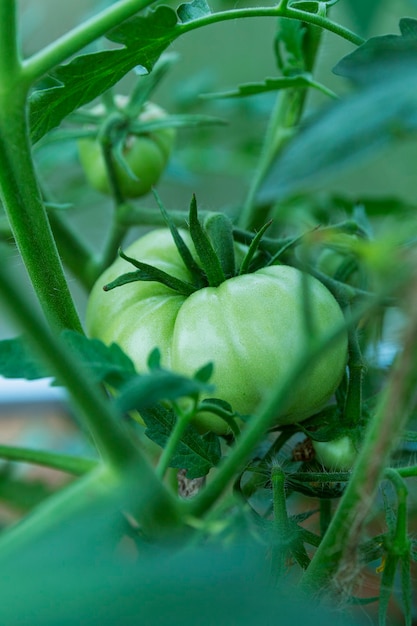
146,390
150,273
92,577
17,361
301,81
348,133
379,56
204,373
104,363
189,261
219,229
194,10
87,76
197,454
206,253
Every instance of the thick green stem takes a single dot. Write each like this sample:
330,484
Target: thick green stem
335,559
78,38
281,128
19,190
112,441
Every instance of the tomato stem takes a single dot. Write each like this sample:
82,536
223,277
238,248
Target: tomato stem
19,188
63,462
339,544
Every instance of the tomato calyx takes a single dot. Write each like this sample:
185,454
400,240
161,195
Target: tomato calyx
215,249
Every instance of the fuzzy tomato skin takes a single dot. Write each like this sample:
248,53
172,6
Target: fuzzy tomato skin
251,327
145,155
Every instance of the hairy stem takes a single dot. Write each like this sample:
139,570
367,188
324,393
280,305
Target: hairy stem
335,559
19,189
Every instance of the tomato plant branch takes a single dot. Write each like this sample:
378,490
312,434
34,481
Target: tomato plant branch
19,190
112,442
63,462
339,544
78,38
183,419
280,11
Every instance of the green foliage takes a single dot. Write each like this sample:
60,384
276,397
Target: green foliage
231,518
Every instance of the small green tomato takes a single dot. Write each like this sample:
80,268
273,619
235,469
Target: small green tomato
337,455
145,155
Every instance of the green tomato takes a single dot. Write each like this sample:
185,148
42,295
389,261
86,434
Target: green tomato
251,327
337,455
146,156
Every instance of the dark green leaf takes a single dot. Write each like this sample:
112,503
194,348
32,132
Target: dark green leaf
408,27
154,359
197,454
150,273
17,361
346,134
148,389
378,57
219,229
92,577
204,373
253,249
194,10
189,261
87,76
302,81
206,253
104,363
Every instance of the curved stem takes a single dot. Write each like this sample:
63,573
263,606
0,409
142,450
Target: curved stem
19,189
63,462
280,11
78,38
72,42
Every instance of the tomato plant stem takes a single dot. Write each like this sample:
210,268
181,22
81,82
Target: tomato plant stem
19,190
183,419
340,542
74,40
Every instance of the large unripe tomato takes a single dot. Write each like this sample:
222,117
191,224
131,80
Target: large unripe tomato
252,327
145,155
